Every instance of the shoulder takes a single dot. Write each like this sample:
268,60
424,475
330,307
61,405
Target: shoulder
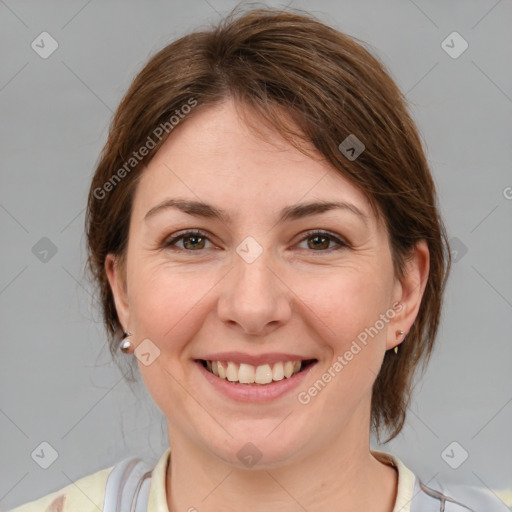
447,497
437,496
85,494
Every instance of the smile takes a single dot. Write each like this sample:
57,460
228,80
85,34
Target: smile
253,392
244,373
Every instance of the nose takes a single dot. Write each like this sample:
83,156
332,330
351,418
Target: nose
254,297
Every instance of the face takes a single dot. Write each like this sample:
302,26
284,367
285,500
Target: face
257,283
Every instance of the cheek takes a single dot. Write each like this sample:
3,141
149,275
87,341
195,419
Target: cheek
167,301
171,301
167,309
346,302
347,319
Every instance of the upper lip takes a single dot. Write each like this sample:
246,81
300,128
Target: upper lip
240,357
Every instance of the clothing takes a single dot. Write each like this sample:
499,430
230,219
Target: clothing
87,494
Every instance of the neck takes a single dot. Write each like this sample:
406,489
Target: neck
333,476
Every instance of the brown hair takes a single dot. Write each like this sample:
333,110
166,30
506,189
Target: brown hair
285,62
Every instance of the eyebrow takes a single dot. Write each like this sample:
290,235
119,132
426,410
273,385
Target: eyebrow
293,212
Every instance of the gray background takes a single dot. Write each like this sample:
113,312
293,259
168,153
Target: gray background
57,381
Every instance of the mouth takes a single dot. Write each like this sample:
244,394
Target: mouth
249,375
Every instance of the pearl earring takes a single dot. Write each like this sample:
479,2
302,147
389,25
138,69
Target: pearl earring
125,344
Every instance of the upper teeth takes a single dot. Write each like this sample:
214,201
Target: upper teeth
248,374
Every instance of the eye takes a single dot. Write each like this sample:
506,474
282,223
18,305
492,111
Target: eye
193,239
196,239
321,241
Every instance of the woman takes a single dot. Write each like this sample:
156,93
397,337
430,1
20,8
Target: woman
263,230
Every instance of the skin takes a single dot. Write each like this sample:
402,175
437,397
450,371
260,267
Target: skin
293,298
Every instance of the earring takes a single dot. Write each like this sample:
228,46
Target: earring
125,344
398,334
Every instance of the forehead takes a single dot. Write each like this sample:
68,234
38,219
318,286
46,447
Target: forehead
217,158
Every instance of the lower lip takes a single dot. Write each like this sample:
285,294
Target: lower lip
255,393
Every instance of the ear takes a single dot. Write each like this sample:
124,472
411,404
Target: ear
116,274
409,292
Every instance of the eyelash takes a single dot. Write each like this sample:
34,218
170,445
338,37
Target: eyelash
170,242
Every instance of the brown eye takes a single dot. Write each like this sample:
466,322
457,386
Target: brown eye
195,242
192,241
319,241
